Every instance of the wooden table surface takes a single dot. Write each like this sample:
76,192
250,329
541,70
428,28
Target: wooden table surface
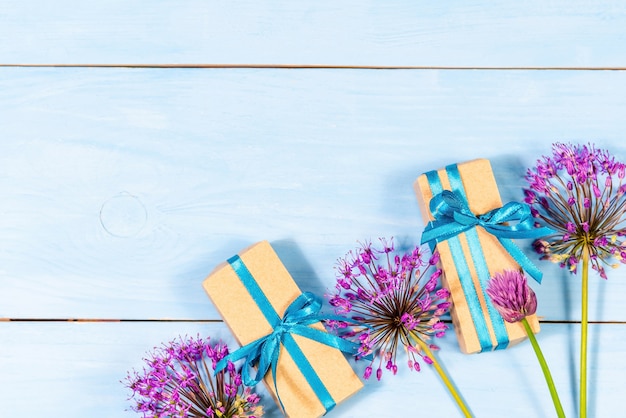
144,142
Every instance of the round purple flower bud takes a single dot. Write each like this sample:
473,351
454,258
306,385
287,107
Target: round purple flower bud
596,190
511,296
571,227
529,196
365,257
367,373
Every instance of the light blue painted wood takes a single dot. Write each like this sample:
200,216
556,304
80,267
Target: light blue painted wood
122,189
73,370
455,33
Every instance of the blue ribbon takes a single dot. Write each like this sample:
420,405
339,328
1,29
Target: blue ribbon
264,352
453,217
513,220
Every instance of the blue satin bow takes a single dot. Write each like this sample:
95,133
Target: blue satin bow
453,216
264,352
301,312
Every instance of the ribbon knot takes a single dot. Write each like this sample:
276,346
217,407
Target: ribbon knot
263,352
514,220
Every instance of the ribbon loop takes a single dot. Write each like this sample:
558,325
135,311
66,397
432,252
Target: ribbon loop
265,351
514,220
303,311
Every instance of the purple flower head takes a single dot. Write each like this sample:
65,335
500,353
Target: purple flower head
511,296
580,194
177,382
396,298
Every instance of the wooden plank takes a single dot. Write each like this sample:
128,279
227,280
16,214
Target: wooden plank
123,188
536,34
74,370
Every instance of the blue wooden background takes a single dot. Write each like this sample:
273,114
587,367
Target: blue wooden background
144,142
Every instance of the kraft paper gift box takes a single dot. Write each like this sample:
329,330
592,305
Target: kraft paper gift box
469,259
243,315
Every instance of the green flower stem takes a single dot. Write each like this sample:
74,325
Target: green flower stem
545,369
583,334
446,380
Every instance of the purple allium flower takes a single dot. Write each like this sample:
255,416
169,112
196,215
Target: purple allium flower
177,381
395,296
511,295
579,192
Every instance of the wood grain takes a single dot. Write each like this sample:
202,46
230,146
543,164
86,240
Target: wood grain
398,33
122,189
199,127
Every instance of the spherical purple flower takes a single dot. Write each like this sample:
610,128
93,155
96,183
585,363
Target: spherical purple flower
512,297
578,191
395,297
177,382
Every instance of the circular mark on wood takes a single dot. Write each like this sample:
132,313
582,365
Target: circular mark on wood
123,215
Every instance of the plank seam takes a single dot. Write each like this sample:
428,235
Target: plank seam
548,321
311,66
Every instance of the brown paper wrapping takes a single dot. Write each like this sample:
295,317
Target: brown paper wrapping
248,323
482,194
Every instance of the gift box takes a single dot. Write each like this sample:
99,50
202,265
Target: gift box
251,289
468,259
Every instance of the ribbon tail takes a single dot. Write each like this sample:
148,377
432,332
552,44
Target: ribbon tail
521,259
428,236
326,317
437,231
251,352
432,243
330,340
236,355
275,356
517,232
542,232
267,356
